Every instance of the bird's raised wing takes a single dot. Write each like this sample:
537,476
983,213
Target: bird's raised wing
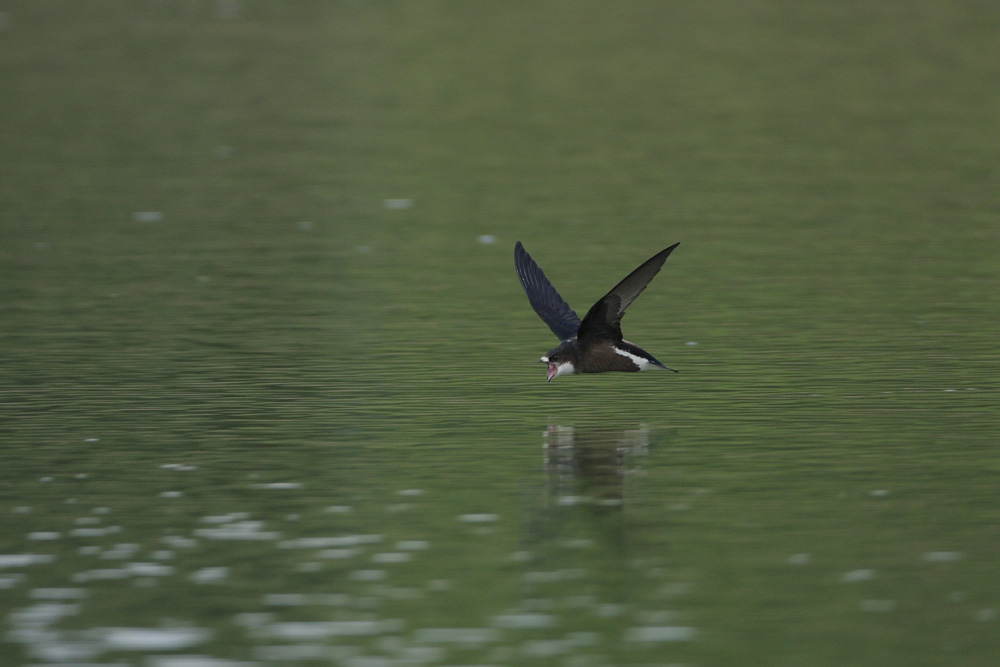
604,318
543,297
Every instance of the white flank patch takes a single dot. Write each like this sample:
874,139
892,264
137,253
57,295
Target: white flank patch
643,364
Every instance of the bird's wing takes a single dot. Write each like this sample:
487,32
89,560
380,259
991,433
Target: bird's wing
544,298
604,318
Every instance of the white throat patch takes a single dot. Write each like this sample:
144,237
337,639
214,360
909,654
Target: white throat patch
562,368
565,368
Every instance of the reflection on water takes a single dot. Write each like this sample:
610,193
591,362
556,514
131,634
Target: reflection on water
590,465
378,581
588,471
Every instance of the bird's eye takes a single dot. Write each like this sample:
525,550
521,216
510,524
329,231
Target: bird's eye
554,357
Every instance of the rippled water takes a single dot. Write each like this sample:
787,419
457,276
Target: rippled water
543,567
268,391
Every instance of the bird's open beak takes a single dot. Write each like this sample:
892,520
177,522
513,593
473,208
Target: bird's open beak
553,369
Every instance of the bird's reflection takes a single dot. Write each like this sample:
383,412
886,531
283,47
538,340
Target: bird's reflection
590,465
587,503
590,482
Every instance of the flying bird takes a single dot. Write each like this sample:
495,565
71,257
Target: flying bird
595,344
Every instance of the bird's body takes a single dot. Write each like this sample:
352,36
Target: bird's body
594,344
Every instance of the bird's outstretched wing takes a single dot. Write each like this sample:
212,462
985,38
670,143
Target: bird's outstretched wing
604,318
544,298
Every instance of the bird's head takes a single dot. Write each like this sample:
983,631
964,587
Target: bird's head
560,360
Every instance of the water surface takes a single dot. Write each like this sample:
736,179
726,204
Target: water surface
269,392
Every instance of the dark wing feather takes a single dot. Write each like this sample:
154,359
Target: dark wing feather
604,318
544,298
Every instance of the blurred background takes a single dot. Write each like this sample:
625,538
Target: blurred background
268,391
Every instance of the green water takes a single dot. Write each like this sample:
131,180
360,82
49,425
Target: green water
268,391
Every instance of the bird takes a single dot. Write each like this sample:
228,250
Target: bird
594,344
